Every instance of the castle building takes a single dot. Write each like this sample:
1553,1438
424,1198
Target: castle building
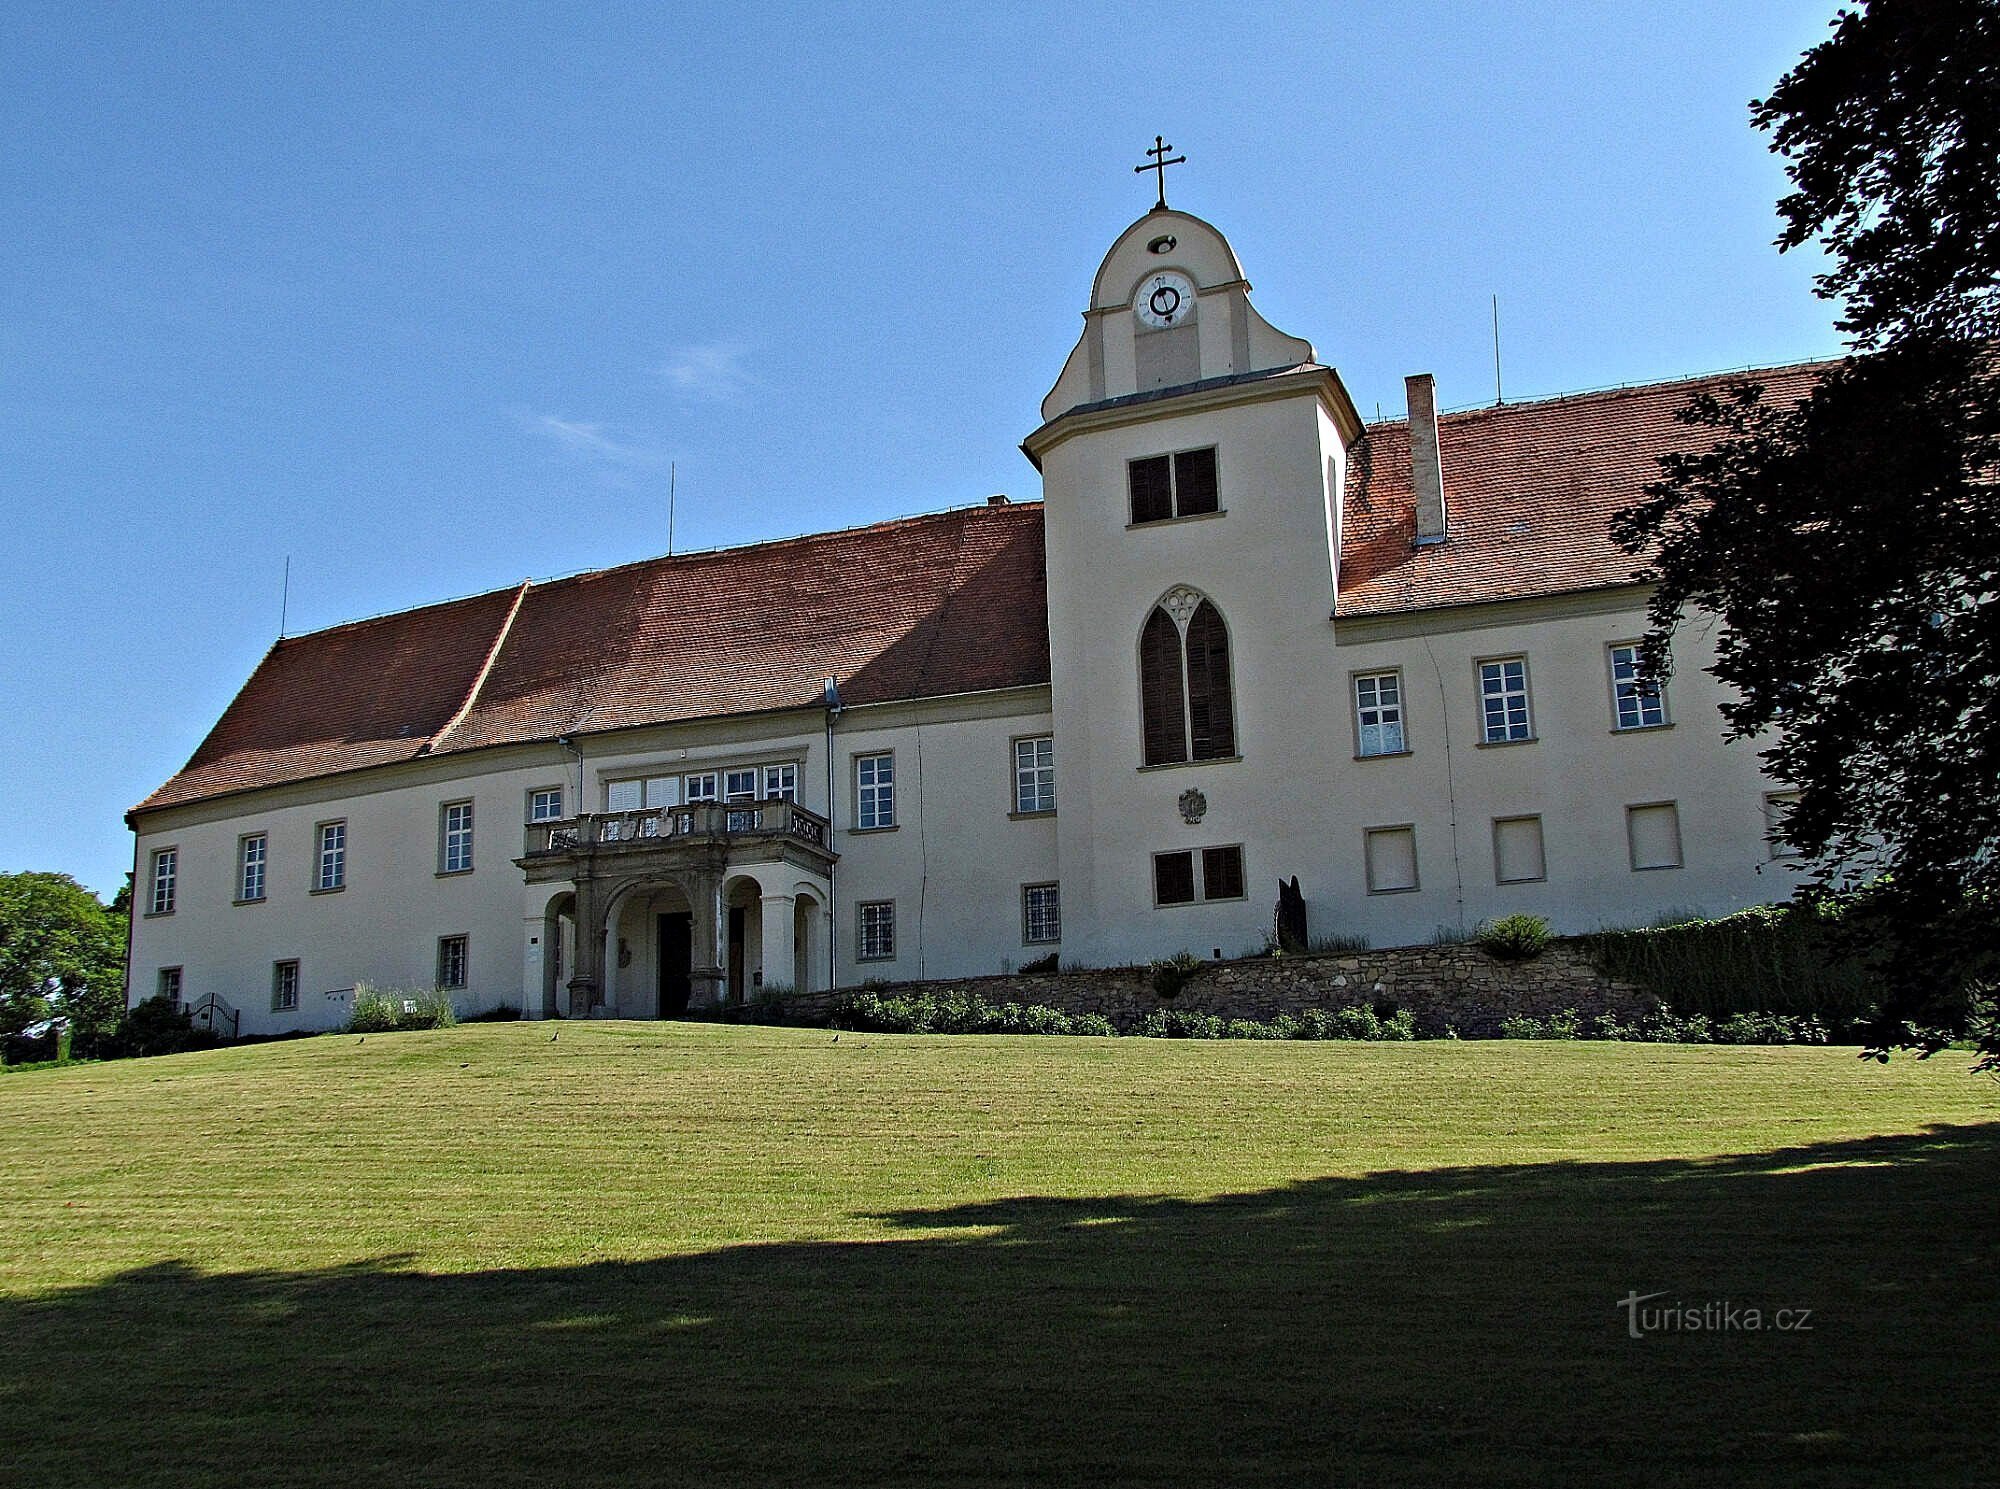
1244,636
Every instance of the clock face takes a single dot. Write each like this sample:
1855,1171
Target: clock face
1164,299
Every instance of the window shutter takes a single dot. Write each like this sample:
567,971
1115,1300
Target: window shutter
1152,489
1210,716
1222,873
1194,482
1173,878
1161,699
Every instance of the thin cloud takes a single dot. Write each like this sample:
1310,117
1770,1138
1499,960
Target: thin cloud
591,441
711,369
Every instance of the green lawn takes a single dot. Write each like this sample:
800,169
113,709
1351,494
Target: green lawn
691,1254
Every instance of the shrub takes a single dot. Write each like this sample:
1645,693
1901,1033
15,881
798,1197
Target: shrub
1041,966
384,1010
1181,1023
1092,1024
1771,959
153,1027
1175,972
957,1013
1337,942
505,1013
1513,938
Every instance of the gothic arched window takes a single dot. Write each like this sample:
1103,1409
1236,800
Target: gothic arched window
1184,698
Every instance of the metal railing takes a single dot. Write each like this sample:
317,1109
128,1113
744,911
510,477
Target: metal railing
215,1014
701,820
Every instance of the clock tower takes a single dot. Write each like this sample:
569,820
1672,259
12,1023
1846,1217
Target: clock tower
1193,458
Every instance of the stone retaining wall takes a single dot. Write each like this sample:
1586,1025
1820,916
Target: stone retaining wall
1459,987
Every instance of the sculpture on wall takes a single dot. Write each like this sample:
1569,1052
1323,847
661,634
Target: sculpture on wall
1291,920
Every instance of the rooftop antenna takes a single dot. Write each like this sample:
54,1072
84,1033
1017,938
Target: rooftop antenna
285,602
673,480
1497,399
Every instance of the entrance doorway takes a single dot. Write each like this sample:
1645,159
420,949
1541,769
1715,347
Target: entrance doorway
676,963
737,923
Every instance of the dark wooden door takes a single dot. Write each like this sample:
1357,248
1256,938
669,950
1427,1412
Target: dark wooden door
676,963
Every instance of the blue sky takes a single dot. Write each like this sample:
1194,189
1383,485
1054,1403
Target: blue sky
429,298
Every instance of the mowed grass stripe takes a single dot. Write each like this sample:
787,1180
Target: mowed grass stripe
697,1254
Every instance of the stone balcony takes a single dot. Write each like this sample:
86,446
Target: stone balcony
735,827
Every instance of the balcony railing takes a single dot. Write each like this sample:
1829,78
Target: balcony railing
697,821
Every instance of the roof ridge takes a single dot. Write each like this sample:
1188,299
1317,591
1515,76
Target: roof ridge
1614,390
1014,504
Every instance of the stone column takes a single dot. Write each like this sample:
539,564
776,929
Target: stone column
779,971
587,979
704,891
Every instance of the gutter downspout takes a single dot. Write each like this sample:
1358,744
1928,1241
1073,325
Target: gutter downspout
830,695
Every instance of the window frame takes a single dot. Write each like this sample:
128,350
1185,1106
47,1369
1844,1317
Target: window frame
320,883
1028,892
1632,843
1775,845
861,942
878,786
710,790
1541,840
1416,884
1193,880
534,791
1014,754
1242,873
1659,694
156,903
278,988
1198,875
731,796
1174,512
1500,659
1185,680
463,942
446,833
179,977
1374,674
244,865
783,790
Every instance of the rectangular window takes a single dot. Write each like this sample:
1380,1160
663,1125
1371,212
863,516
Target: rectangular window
877,938
545,804
451,961
165,879
455,838
1503,700
1035,774
624,796
1636,702
1041,914
170,985
739,785
1179,485
252,851
703,785
874,791
1222,873
1173,878
1391,857
1517,850
330,856
284,987
1653,832
1378,713
1778,806
781,783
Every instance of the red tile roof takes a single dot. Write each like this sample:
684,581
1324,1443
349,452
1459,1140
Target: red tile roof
1530,489
918,608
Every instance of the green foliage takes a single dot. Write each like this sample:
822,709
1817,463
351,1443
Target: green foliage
1181,1023
958,1013
1331,943
1788,959
1664,1026
153,1027
505,1013
385,1010
1171,974
62,955
1043,966
1848,538
1513,938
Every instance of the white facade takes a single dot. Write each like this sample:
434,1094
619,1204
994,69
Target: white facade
1583,821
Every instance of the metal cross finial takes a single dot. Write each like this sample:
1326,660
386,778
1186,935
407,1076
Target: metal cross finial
1159,165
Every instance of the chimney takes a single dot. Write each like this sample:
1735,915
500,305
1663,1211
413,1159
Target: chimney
997,501
1426,471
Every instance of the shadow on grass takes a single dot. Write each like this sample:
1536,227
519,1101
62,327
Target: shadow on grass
1399,1327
